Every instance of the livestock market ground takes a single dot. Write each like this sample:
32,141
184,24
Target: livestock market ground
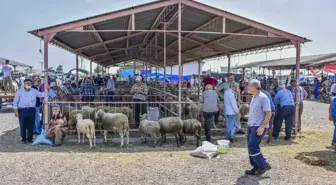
305,160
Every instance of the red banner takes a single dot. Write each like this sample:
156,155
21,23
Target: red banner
314,70
330,68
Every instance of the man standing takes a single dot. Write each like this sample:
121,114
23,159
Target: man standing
24,108
7,77
87,90
231,111
221,91
37,125
259,117
286,112
110,90
301,96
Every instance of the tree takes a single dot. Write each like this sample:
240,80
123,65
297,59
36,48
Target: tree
59,69
95,70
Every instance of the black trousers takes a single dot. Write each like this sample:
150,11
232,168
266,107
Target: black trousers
140,108
27,120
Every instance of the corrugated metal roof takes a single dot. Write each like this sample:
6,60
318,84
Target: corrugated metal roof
289,63
12,62
323,62
204,45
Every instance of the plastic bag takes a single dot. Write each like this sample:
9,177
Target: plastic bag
207,151
153,114
42,139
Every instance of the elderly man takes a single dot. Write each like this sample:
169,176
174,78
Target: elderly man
210,108
301,96
140,91
7,77
24,108
259,117
285,112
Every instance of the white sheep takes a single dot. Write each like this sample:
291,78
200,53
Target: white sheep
173,125
86,127
192,126
191,109
151,128
117,122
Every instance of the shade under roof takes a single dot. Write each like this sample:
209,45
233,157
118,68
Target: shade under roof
108,48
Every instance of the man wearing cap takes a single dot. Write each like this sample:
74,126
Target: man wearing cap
140,91
24,108
285,112
301,96
221,91
87,90
7,77
110,87
37,125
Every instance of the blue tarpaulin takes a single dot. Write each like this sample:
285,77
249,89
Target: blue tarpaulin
125,73
173,78
145,73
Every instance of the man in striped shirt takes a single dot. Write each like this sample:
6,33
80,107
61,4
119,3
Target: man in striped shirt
87,90
302,96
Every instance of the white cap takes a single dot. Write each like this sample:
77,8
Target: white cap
52,84
138,78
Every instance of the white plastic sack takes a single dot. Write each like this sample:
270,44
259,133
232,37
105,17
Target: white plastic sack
153,114
42,139
207,150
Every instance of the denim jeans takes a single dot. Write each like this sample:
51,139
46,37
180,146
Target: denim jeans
110,97
140,109
316,94
37,125
230,126
334,137
285,113
253,144
207,124
27,120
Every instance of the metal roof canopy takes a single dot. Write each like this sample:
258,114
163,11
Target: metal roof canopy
137,33
290,63
323,62
14,63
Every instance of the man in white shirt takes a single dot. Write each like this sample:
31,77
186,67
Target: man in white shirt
333,89
7,77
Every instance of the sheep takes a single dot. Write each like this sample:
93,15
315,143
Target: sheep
86,127
191,109
173,125
116,122
192,126
149,128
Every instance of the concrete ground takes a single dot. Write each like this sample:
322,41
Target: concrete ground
305,160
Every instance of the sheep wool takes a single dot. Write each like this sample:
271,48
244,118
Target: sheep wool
115,122
192,126
173,125
151,128
86,127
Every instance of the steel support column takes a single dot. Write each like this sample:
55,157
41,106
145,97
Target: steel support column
243,74
46,107
171,74
77,77
298,53
164,64
179,58
91,68
229,64
199,78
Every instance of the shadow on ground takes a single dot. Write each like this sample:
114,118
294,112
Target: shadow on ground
249,180
325,159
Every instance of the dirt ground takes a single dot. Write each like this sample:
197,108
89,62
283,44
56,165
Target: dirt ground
305,160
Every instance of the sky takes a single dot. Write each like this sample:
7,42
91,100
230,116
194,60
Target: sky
312,19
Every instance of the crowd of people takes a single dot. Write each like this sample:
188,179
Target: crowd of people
269,107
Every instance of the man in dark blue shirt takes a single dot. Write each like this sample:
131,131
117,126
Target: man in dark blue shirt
37,125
